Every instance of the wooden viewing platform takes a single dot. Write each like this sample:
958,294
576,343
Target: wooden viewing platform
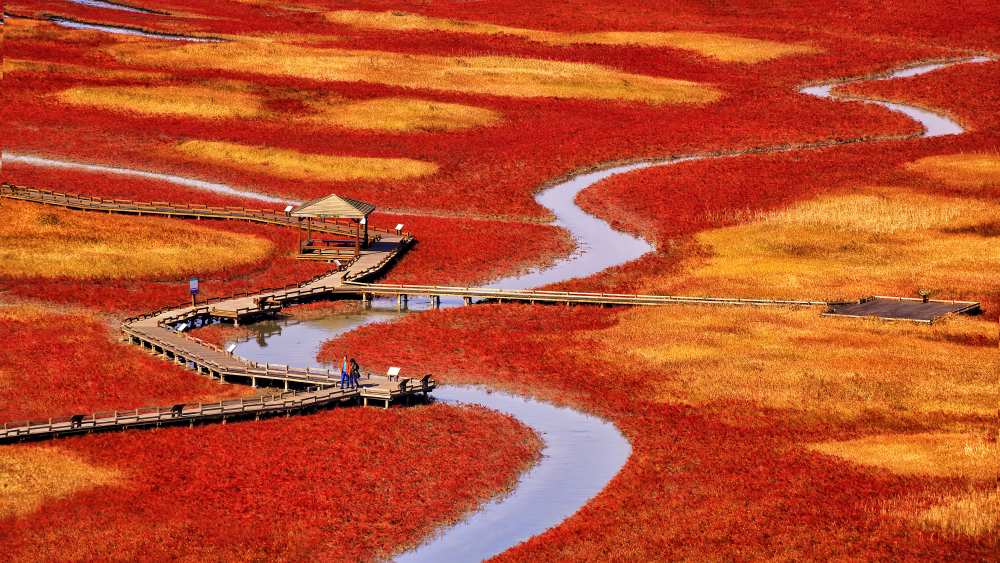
902,309
158,333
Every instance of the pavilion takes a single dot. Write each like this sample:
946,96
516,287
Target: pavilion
353,214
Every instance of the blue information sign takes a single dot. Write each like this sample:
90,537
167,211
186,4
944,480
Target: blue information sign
194,286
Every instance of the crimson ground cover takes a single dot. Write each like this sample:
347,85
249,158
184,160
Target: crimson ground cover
727,480
701,481
65,363
343,485
539,139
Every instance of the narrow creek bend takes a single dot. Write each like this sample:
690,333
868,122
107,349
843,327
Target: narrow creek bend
125,30
581,453
104,5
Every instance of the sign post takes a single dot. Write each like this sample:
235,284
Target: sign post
193,284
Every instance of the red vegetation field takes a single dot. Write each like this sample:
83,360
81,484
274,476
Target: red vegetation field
485,171
671,204
66,363
342,485
724,482
731,479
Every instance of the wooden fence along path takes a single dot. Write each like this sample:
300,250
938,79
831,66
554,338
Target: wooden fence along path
162,332
487,294
186,211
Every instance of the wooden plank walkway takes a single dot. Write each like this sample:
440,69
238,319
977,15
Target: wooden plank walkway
565,297
157,332
184,211
161,332
375,388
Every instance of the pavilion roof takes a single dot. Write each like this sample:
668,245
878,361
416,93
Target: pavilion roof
334,206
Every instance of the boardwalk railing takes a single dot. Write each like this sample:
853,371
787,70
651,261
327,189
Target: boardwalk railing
566,296
269,216
182,412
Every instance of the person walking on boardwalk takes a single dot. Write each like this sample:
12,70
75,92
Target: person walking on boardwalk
344,380
355,373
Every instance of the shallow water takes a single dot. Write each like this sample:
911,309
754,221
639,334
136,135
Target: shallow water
214,187
582,453
934,124
122,30
598,246
112,6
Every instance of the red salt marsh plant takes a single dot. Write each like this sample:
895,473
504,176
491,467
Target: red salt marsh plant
762,493
344,484
56,363
474,176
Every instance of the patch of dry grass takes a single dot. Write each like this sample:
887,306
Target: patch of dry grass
933,454
796,360
398,115
286,163
499,76
974,170
718,46
31,476
236,100
45,242
845,247
78,71
973,513
189,101
22,312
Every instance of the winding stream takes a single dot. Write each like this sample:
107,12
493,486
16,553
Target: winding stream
103,4
581,453
125,30
205,185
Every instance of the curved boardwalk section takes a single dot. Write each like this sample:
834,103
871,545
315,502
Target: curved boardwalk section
162,333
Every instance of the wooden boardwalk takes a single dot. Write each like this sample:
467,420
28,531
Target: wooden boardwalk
158,332
162,332
164,209
469,294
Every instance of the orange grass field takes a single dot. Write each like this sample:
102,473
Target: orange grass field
756,434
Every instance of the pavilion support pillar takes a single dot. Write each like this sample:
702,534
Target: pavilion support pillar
357,239
366,232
